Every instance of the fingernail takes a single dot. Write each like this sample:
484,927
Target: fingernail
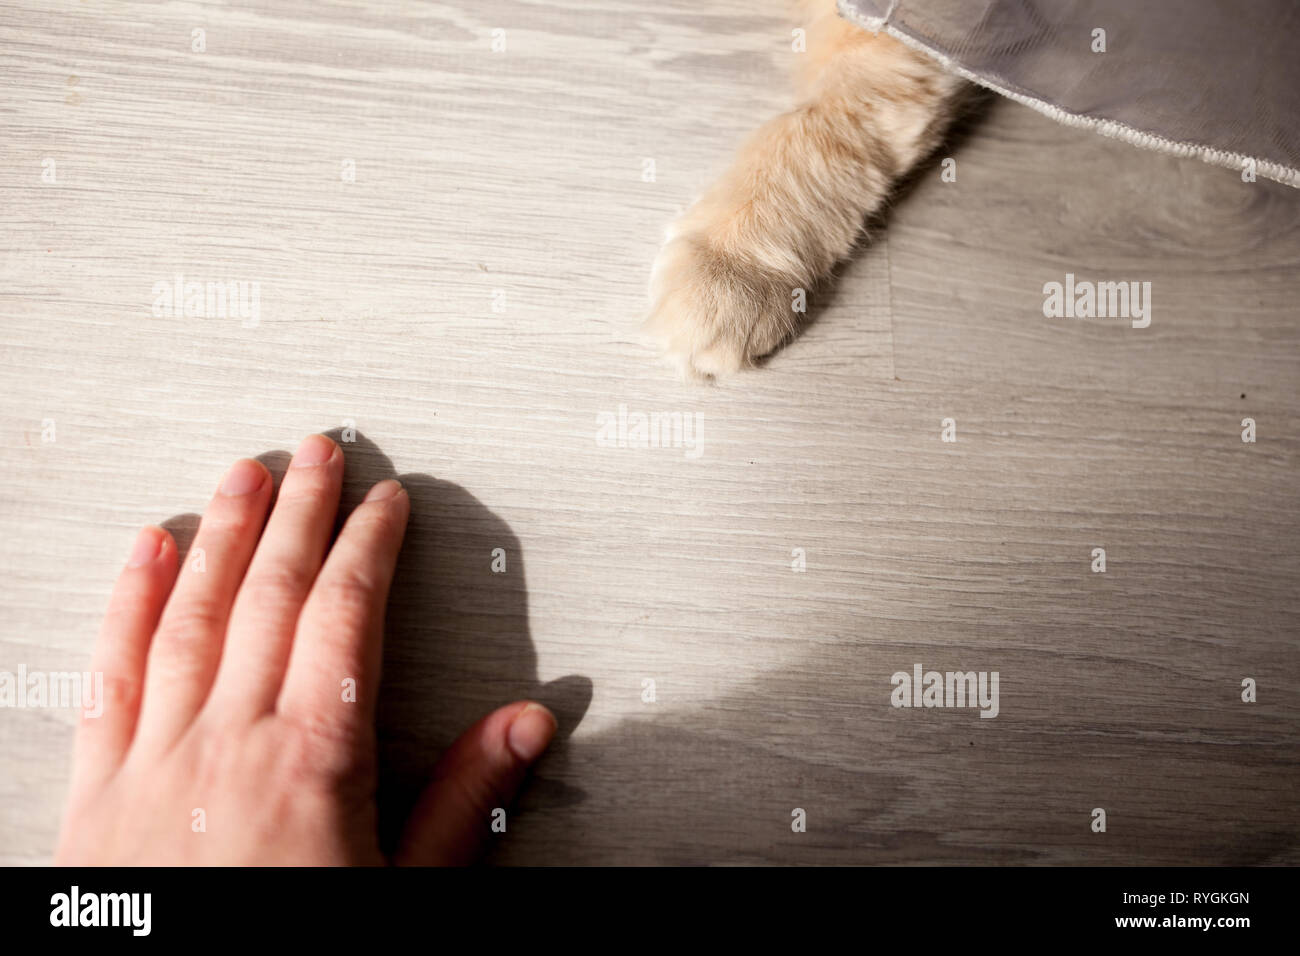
148,545
245,476
531,731
385,489
314,450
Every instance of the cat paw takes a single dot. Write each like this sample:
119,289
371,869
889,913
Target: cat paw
714,313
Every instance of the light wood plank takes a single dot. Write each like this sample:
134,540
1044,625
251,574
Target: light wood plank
522,172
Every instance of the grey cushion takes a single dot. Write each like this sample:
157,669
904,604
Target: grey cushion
1216,79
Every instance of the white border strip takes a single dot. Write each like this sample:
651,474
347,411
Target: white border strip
1115,130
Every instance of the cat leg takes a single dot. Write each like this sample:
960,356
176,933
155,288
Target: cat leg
793,202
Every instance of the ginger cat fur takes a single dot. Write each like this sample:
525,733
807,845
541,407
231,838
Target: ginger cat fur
794,201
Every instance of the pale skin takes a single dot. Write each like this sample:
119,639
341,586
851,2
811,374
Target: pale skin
225,692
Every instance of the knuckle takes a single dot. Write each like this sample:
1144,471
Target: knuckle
378,520
305,486
332,748
189,625
279,580
121,610
184,643
479,793
228,523
120,693
304,490
349,595
127,600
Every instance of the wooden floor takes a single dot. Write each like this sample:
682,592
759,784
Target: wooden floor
469,303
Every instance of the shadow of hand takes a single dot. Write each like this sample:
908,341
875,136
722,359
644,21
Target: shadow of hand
457,643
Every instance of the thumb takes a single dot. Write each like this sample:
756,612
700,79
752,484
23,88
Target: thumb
481,771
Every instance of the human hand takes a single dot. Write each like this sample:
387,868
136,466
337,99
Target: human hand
228,735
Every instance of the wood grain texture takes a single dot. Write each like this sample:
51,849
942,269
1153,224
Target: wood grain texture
519,174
